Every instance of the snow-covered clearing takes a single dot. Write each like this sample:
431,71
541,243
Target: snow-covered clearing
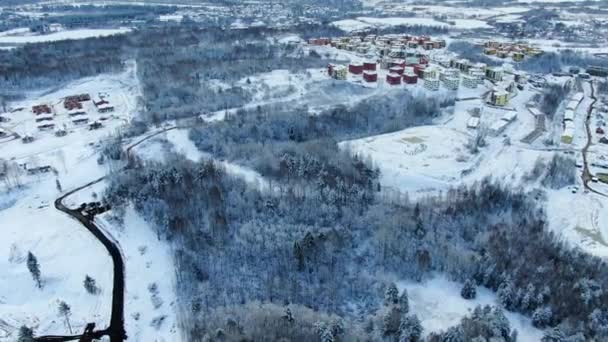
361,23
438,305
177,141
585,225
416,159
148,261
66,251
62,35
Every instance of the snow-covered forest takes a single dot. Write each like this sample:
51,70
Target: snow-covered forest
316,246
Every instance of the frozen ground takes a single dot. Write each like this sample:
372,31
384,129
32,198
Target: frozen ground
24,38
416,159
65,250
438,304
361,23
148,261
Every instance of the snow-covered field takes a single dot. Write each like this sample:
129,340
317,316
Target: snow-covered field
66,253
148,261
418,158
65,250
21,37
438,305
362,23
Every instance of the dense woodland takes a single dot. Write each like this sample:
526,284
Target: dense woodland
315,254
323,234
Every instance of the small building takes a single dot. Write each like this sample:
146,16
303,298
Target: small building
39,170
568,115
448,73
396,70
72,104
419,70
509,116
393,79
412,60
518,56
498,127
473,122
78,98
451,83
80,121
431,84
568,133
489,51
355,68
369,66
397,63
370,76
76,112
494,74
499,97
461,64
502,53
105,108
41,109
597,71
469,81
410,77
46,126
95,125
520,77
430,72
44,117
339,72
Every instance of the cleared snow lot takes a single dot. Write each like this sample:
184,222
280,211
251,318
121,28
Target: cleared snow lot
23,37
416,159
438,304
361,23
66,253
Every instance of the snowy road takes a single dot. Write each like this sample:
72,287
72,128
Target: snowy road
587,176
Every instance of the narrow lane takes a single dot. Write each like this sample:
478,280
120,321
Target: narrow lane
116,329
586,176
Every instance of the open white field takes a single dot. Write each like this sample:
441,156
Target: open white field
22,37
438,305
361,23
419,158
149,262
65,250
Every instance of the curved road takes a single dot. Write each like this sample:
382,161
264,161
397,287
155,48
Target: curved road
116,330
586,176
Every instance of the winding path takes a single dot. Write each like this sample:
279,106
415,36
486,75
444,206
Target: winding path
116,329
586,176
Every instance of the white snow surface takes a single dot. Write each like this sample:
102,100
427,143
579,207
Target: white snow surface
62,35
438,305
361,23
